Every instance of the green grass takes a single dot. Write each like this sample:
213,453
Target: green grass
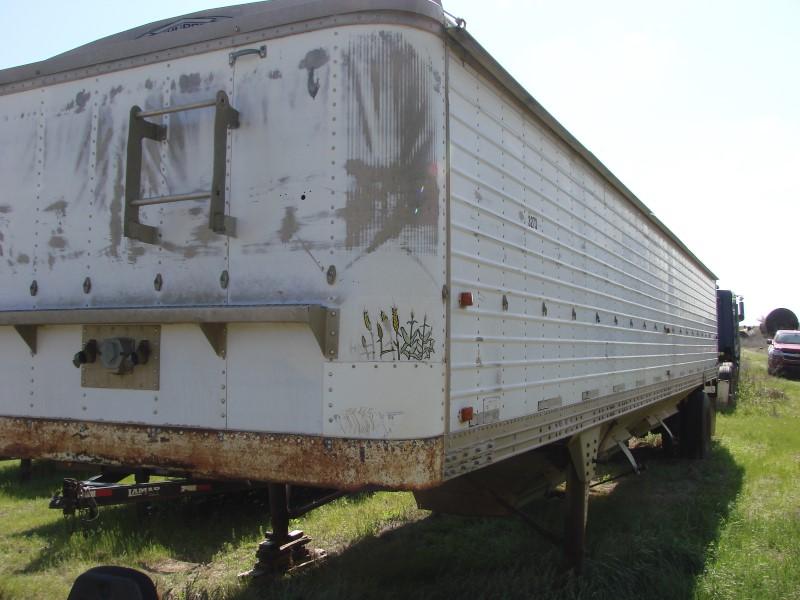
758,551
724,528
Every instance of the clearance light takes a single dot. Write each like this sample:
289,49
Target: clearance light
465,299
465,414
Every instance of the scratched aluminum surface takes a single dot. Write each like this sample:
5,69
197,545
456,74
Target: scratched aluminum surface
598,302
338,165
69,192
327,462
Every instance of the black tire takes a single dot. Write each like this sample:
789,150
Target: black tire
734,391
696,414
120,583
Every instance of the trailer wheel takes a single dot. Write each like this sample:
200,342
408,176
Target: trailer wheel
727,384
696,423
733,394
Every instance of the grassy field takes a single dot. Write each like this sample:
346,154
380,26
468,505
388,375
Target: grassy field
728,527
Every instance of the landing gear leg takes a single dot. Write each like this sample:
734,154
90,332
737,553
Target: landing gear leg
575,525
583,452
25,469
283,550
279,512
696,416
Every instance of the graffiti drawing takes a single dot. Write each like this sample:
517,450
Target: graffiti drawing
412,341
366,421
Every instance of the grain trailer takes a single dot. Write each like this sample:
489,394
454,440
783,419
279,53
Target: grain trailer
330,243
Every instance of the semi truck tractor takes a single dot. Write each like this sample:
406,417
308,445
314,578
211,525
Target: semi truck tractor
730,312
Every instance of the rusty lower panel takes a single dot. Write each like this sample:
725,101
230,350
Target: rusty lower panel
299,459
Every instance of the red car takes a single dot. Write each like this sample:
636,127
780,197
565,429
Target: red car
784,352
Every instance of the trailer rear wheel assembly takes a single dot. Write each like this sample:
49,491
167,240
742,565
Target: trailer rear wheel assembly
727,384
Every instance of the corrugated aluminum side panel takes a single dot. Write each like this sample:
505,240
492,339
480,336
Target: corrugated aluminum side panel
577,296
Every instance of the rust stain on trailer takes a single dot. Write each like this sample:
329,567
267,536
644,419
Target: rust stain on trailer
82,160
314,60
115,216
134,253
104,137
81,99
79,103
57,241
289,224
203,242
189,83
300,459
59,206
393,190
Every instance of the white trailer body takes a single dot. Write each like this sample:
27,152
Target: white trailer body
270,220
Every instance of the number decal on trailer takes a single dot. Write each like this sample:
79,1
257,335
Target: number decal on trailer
531,221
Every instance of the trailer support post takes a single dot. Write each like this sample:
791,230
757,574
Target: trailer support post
25,469
279,512
575,522
583,449
283,550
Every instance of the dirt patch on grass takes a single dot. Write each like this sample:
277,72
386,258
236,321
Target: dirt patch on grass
170,566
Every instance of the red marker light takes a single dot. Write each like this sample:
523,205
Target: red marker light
465,299
466,414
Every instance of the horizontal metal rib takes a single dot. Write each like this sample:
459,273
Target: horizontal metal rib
507,267
490,364
502,339
576,268
503,388
689,280
589,222
588,256
467,284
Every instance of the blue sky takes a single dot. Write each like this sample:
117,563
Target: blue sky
694,105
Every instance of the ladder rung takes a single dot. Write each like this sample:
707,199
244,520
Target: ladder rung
173,198
173,109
